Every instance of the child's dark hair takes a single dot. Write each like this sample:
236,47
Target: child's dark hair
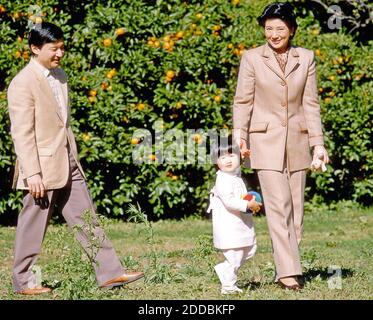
225,145
43,33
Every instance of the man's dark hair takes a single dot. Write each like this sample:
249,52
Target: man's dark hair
225,145
43,33
280,10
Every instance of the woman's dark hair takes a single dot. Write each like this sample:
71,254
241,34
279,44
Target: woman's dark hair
225,145
281,10
43,33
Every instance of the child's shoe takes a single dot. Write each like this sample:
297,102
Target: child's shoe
233,290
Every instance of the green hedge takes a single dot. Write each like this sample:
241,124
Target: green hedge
133,63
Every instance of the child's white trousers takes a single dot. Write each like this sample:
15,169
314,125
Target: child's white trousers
234,259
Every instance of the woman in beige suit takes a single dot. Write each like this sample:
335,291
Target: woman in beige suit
276,118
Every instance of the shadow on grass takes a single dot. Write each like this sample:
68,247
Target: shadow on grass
251,285
308,276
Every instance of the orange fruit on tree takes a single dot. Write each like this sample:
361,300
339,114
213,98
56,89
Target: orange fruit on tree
197,138
135,141
217,98
168,45
179,34
199,15
120,31
107,42
152,157
170,74
17,54
18,15
111,73
86,137
166,38
328,100
140,106
92,93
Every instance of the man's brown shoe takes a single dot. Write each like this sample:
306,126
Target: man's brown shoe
35,291
123,279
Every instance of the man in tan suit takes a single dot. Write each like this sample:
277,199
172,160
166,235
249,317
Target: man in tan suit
276,119
47,165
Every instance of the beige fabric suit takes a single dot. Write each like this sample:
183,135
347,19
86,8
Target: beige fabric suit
32,105
44,143
278,114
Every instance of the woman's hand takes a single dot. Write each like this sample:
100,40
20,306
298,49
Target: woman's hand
245,153
319,152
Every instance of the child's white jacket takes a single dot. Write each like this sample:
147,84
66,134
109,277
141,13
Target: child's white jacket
232,227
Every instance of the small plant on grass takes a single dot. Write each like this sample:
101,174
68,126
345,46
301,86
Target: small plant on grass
203,254
156,272
80,282
94,240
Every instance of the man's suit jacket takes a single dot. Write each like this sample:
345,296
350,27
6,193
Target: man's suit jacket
40,134
278,113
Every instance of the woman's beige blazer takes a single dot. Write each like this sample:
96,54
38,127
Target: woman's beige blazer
278,113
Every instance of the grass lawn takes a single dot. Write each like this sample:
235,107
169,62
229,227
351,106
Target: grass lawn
179,260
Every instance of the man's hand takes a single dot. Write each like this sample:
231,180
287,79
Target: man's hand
36,186
243,149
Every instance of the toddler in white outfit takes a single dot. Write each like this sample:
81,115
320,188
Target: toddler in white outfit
233,229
